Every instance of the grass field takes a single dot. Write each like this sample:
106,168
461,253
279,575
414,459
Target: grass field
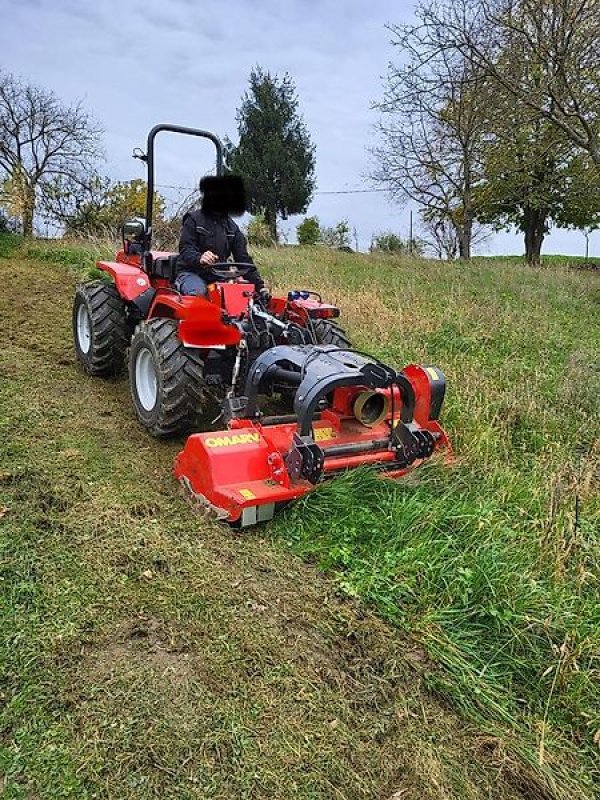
433,639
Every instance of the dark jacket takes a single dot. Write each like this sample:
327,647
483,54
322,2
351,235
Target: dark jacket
221,235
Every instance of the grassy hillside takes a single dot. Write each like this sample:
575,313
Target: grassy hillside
549,261
151,653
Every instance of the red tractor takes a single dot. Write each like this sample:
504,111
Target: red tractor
183,351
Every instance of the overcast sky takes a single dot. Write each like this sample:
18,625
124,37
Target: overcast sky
137,63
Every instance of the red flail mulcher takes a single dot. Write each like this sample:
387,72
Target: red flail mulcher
349,410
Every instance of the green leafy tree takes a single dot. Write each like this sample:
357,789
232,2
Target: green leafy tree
493,118
275,154
534,179
128,199
109,206
308,231
558,38
258,232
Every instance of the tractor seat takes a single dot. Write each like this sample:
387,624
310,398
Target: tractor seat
164,267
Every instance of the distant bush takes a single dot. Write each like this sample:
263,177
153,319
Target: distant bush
590,266
309,231
338,236
9,242
259,233
78,255
389,242
166,233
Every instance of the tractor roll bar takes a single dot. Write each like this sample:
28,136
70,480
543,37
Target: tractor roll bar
149,159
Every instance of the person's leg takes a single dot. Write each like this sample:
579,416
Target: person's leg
190,283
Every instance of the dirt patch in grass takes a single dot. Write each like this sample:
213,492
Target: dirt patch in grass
140,645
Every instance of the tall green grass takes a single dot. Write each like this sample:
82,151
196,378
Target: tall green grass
466,573
9,244
492,564
79,256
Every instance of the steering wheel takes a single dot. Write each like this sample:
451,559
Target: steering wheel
230,270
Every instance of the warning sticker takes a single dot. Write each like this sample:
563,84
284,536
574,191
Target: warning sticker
247,494
325,434
433,373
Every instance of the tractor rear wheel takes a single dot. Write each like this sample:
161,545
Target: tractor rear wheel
328,332
166,379
100,328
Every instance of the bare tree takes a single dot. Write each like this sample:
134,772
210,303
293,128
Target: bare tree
73,203
432,126
557,40
439,235
41,142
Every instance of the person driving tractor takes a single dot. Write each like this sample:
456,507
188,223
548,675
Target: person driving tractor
210,236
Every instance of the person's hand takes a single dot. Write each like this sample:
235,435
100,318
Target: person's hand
208,258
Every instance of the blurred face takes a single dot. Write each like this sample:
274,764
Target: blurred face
223,195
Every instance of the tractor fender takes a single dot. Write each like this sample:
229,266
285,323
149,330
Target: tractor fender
201,323
130,280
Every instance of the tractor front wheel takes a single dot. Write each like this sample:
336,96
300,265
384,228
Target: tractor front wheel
100,328
327,332
166,379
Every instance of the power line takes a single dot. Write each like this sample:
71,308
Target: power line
335,191
170,186
353,191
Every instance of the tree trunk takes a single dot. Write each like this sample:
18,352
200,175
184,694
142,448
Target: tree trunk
464,245
465,227
464,233
28,212
271,220
535,230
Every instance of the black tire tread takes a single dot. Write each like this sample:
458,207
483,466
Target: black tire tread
328,332
110,338
181,379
